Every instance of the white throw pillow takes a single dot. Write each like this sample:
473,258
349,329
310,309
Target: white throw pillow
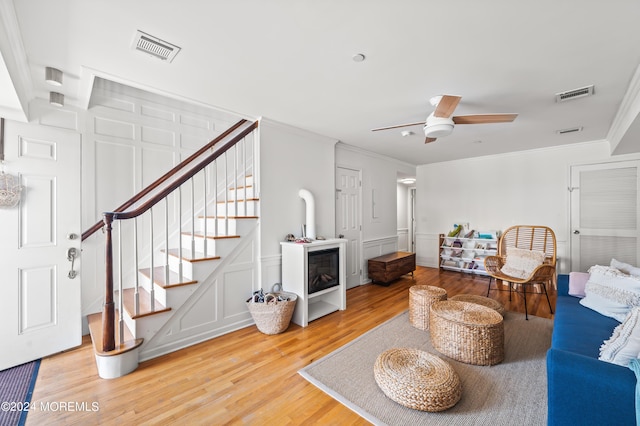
625,267
610,292
624,344
521,263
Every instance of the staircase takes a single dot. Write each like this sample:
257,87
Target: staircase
168,248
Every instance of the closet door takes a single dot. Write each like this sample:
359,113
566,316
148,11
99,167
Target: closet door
604,214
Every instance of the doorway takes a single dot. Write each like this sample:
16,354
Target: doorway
40,292
604,214
349,220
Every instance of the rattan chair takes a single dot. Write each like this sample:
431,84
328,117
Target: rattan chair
528,237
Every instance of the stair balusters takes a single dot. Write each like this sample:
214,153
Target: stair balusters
205,222
151,263
120,293
136,293
225,179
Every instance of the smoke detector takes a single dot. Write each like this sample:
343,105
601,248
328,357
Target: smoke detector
154,46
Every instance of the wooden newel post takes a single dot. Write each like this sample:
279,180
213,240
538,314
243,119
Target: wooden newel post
108,310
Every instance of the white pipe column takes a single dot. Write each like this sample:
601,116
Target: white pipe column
311,213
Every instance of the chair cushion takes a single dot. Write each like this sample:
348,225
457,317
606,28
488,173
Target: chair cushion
521,263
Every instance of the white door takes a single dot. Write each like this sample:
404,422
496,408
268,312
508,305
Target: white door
348,220
604,214
39,301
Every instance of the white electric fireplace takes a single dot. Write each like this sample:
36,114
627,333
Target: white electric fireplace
316,272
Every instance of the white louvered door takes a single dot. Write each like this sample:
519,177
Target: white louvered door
604,214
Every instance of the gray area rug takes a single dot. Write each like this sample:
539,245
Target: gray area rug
513,392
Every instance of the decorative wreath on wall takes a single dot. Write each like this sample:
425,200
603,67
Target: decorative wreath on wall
10,191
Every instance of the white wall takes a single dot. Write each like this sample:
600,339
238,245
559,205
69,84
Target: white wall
495,192
379,175
292,159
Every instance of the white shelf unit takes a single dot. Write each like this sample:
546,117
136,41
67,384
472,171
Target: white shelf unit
466,254
295,274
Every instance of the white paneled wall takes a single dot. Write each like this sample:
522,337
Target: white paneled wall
130,138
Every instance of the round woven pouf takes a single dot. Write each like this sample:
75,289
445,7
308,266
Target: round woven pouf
421,297
417,379
467,332
480,300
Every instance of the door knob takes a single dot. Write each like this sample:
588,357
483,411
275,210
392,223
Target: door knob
576,232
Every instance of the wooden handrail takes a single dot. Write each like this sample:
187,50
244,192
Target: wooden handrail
108,311
188,175
86,234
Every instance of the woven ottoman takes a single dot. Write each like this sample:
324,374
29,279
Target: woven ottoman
467,332
480,300
417,379
420,299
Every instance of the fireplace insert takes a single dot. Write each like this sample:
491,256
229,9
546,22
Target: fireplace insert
324,269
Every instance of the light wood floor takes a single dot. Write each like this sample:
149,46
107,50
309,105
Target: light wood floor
244,377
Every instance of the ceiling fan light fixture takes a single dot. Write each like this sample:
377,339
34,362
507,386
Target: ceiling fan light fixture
437,127
438,130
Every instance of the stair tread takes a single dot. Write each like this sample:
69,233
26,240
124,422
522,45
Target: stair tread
189,256
240,201
160,278
95,329
145,303
240,187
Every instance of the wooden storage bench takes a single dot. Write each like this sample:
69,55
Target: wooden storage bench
388,267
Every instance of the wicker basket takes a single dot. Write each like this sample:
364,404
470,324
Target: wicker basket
272,316
420,299
417,379
467,332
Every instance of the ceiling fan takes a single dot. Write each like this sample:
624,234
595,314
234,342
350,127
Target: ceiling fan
440,122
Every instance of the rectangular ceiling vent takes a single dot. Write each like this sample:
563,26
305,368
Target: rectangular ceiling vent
154,46
574,94
571,130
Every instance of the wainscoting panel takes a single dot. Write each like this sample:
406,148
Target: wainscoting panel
271,271
375,248
216,305
403,239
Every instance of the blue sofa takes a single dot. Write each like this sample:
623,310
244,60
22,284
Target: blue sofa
583,390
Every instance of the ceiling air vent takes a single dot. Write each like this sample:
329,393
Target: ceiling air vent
574,94
154,46
571,130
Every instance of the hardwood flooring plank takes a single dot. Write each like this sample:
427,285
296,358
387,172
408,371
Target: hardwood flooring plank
244,377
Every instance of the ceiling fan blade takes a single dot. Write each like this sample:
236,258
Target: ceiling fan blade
484,118
427,140
421,123
446,106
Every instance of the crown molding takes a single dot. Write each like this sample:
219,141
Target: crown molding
15,58
627,113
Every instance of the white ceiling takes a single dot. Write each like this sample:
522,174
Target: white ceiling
291,61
